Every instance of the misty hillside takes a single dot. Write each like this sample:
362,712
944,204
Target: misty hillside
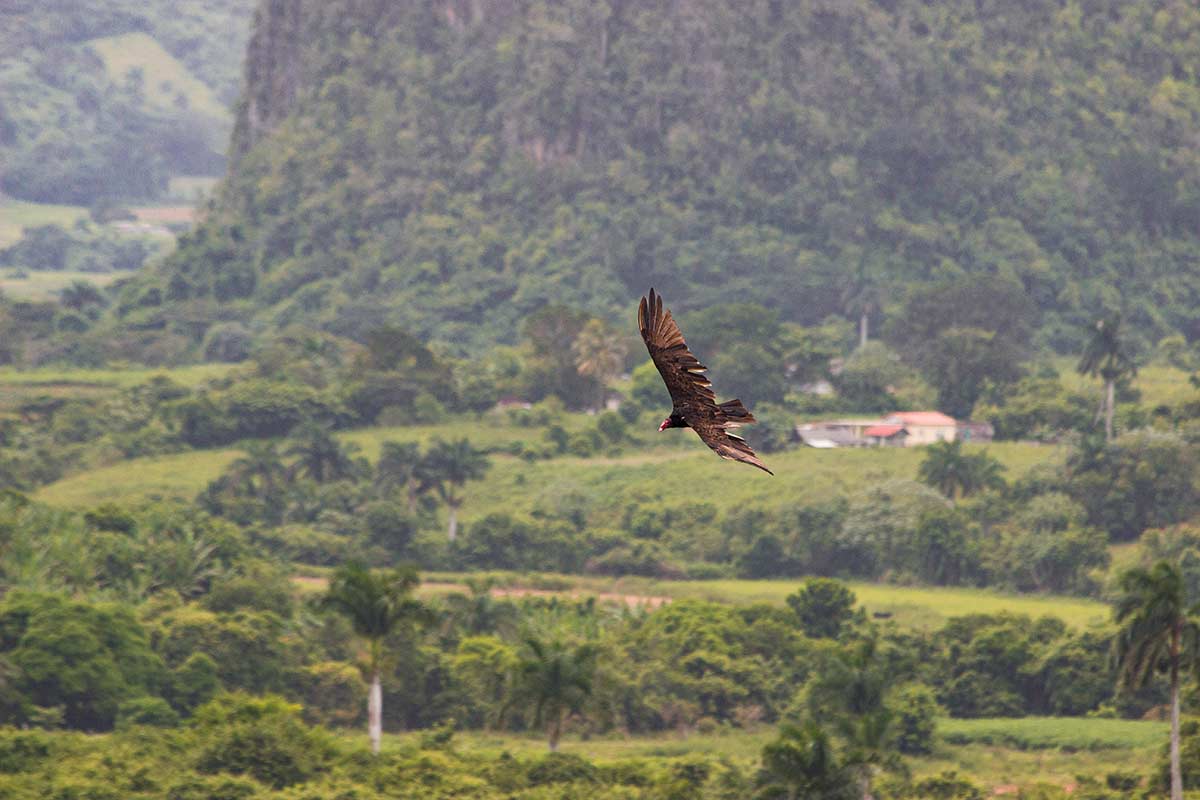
452,166
109,99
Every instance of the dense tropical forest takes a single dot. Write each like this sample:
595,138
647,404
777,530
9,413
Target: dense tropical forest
353,489
452,167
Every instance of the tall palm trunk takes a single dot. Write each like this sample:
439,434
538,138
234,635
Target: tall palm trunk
1176,771
375,712
863,322
452,505
1110,393
864,785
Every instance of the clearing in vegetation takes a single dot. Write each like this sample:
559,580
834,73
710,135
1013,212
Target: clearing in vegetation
164,76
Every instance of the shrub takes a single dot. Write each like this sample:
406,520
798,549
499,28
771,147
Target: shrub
916,710
263,737
24,751
229,342
561,768
333,693
824,607
153,711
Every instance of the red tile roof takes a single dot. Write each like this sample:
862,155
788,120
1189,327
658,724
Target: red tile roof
922,418
883,431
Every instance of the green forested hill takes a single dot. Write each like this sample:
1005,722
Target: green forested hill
109,100
451,166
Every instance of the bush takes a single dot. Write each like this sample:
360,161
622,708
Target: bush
24,751
333,693
153,711
824,607
561,768
916,710
229,342
214,787
263,737
194,682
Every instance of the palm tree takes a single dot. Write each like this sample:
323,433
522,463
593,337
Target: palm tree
1157,634
260,471
375,604
955,473
319,455
599,353
185,560
446,467
1106,356
803,762
399,465
479,612
870,739
863,293
556,679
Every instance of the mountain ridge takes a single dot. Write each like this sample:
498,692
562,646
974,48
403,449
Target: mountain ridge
451,167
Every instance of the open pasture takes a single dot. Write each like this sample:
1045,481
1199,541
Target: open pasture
919,607
1034,750
165,78
666,471
41,286
17,215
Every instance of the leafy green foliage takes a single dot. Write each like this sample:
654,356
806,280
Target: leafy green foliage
492,188
1142,480
823,606
955,473
83,658
260,737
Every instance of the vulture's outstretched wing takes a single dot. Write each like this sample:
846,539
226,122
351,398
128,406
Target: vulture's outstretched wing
692,396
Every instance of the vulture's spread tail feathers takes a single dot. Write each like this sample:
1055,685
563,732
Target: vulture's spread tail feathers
735,413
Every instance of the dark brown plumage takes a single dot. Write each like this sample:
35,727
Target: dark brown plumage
693,403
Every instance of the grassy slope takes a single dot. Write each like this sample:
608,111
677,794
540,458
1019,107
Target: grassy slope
193,375
42,286
21,386
675,470
1159,384
16,215
910,606
165,76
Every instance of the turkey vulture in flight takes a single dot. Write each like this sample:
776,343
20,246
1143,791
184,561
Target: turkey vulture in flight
693,404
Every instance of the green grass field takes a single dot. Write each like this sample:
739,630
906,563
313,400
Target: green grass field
669,470
1044,733
115,377
922,607
164,76
42,286
16,215
1038,750
175,476
18,386
1159,384
910,606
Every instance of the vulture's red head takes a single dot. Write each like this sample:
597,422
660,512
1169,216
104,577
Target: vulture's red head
672,422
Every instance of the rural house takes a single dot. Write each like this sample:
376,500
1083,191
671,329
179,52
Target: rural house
901,429
925,427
